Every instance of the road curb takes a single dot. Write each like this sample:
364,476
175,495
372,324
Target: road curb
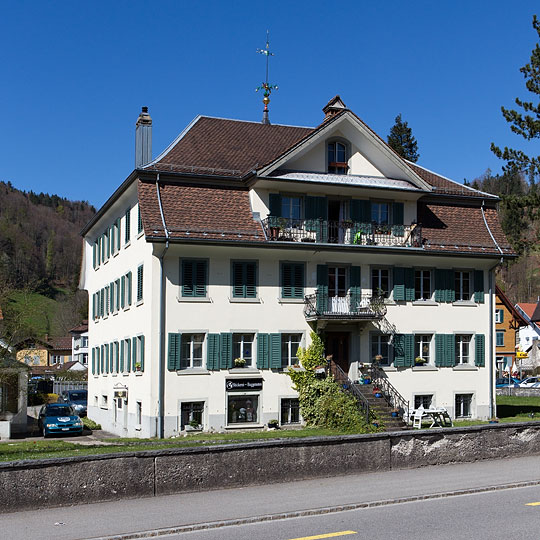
312,512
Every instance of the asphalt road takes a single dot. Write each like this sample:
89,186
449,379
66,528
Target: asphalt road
299,505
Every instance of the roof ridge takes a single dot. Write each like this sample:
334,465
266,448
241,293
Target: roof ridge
253,122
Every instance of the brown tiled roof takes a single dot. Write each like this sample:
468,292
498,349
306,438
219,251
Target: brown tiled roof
60,343
536,315
202,212
221,147
461,228
83,327
510,307
444,185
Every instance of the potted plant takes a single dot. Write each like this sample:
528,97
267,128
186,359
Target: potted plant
239,362
273,423
395,412
419,361
193,425
137,366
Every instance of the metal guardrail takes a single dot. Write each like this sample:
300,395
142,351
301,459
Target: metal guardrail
357,306
342,232
341,377
390,394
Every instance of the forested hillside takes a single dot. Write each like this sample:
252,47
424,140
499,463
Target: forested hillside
40,257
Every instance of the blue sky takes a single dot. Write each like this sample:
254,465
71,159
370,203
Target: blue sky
75,75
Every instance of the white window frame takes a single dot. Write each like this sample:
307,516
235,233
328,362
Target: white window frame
187,362
458,291
379,270
422,344
377,336
460,358
289,359
424,296
238,342
470,405
498,316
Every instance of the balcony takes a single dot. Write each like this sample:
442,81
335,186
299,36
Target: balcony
342,232
350,307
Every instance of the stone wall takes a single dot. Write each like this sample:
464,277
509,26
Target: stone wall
521,392
55,482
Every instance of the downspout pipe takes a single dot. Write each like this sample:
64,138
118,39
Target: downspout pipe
162,312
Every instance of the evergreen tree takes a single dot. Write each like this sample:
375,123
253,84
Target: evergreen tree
402,141
526,124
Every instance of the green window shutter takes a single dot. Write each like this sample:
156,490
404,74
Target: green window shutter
397,213
263,351
133,353
356,288
316,208
201,278
322,288
409,349
111,296
94,255
479,286
93,361
292,280
399,283
440,359
450,291
106,358
128,355
275,351
440,286
450,347
139,221
445,350
226,359
244,279
480,350
274,204
122,352
127,226
194,278
399,350
365,211
355,210
173,357
123,292
97,361
113,238
111,357
129,280
501,311
212,352
409,284
118,229
140,283
141,359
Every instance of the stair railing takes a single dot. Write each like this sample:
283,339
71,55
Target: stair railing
390,394
341,378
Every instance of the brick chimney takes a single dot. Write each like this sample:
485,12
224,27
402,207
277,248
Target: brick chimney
143,139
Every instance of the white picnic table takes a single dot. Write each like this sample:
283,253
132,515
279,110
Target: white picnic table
438,416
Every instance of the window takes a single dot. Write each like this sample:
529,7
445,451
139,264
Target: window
380,282
138,413
336,281
291,207
192,351
462,285
84,358
244,279
423,401
290,411
289,349
462,348
139,221
127,230
125,290
104,401
194,278
500,338
422,349
140,283
292,280
380,212
337,157
56,359
191,413
125,356
84,341
422,284
380,347
498,316
243,347
242,409
463,405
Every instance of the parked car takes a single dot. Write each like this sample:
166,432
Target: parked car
59,418
78,399
529,382
503,382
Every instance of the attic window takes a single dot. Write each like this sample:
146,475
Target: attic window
337,157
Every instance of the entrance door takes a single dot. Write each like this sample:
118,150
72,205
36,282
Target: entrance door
337,345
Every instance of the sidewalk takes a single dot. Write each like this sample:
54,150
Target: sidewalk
129,516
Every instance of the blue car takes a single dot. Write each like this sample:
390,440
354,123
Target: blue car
59,418
503,382
78,399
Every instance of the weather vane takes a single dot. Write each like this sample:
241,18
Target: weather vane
266,87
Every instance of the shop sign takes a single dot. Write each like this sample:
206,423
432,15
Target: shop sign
232,385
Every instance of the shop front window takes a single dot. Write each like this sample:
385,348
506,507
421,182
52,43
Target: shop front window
242,409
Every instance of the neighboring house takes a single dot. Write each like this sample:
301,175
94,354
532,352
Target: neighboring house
60,351
33,352
529,336
508,321
79,345
52,371
13,386
241,238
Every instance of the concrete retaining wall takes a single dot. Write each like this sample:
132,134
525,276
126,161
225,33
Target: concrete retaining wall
521,392
56,482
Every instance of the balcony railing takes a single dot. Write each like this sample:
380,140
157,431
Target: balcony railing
351,306
342,232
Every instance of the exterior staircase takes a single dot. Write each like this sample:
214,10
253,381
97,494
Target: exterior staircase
381,409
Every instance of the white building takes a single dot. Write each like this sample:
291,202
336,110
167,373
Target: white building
241,237
79,343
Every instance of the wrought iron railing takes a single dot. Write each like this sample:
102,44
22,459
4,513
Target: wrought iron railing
390,394
341,377
354,306
342,232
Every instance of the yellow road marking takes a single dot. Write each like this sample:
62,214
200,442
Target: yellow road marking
329,535
533,504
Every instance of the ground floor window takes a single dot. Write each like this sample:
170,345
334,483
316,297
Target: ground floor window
380,348
463,405
138,410
289,348
191,414
424,400
242,409
243,347
290,411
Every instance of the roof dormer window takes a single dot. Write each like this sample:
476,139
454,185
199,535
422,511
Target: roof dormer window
337,157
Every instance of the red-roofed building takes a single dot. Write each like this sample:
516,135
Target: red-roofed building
241,238
529,336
